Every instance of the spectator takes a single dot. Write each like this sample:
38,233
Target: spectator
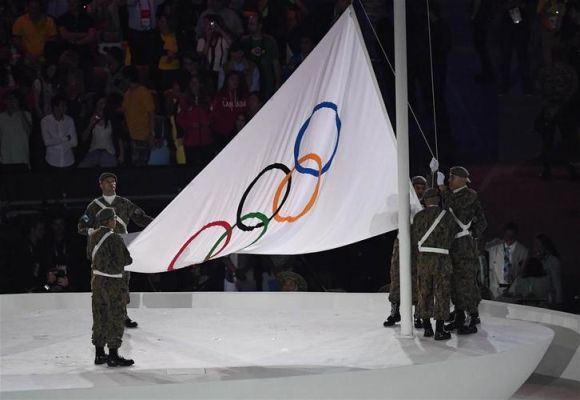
239,62
139,109
255,103
60,256
59,135
169,62
107,19
506,260
263,51
230,18
77,29
551,14
103,135
533,285
193,119
27,261
45,86
481,14
143,37
546,252
32,30
306,47
214,45
15,130
227,105
117,84
515,36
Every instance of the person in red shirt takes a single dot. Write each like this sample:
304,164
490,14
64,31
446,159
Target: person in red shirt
229,102
193,124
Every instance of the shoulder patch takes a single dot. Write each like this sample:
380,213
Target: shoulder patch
85,218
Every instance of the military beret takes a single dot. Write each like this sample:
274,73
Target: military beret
106,175
105,214
430,193
294,277
418,180
461,172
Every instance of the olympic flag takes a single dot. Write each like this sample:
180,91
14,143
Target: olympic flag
315,169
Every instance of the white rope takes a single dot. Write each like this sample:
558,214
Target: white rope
432,80
395,74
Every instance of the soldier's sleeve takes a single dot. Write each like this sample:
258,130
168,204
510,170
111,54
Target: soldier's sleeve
86,221
138,216
121,251
479,224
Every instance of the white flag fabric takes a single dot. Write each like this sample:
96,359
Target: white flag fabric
315,169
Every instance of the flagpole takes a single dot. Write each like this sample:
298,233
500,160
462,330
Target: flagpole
403,167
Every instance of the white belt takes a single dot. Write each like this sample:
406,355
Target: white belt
96,272
433,250
464,227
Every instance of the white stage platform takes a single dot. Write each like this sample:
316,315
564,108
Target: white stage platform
256,345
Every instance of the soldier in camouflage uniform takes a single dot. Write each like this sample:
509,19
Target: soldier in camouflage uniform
109,300
419,184
432,235
463,204
125,211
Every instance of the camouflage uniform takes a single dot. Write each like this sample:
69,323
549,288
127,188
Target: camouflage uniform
395,290
433,268
464,204
109,299
125,210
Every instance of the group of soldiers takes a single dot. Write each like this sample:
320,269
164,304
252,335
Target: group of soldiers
104,220
444,259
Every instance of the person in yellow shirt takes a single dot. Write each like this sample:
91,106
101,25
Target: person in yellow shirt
32,30
139,109
169,62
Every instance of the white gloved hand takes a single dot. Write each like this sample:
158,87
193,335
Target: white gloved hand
91,231
440,179
434,165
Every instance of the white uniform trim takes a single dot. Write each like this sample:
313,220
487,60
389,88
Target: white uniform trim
95,272
464,227
428,233
119,220
98,246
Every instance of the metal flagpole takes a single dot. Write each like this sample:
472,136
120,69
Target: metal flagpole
403,167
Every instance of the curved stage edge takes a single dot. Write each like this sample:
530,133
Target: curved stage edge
273,345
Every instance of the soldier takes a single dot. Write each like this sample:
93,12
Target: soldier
125,211
463,204
109,300
432,234
419,184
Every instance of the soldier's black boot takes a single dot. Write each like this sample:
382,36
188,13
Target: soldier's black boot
474,318
100,356
427,327
129,323
451,316
418,323
440,333
457,322
115,360
470,328
394,317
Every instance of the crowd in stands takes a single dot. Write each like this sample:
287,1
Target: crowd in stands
103,83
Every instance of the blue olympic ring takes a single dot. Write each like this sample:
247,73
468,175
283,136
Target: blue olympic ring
311,171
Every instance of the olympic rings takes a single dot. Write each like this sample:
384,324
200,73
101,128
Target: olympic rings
239,222
260,216
276,203
223,224
287,178
311,171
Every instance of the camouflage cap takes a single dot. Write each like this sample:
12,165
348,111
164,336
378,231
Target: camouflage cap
106,175
106,214
430,193
461,172
301,285
418,180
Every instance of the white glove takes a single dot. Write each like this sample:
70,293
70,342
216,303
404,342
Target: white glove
91,231
434,165
440,179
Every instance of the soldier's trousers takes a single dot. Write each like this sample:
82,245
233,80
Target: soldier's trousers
465,293
434,285
395,289
109,302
